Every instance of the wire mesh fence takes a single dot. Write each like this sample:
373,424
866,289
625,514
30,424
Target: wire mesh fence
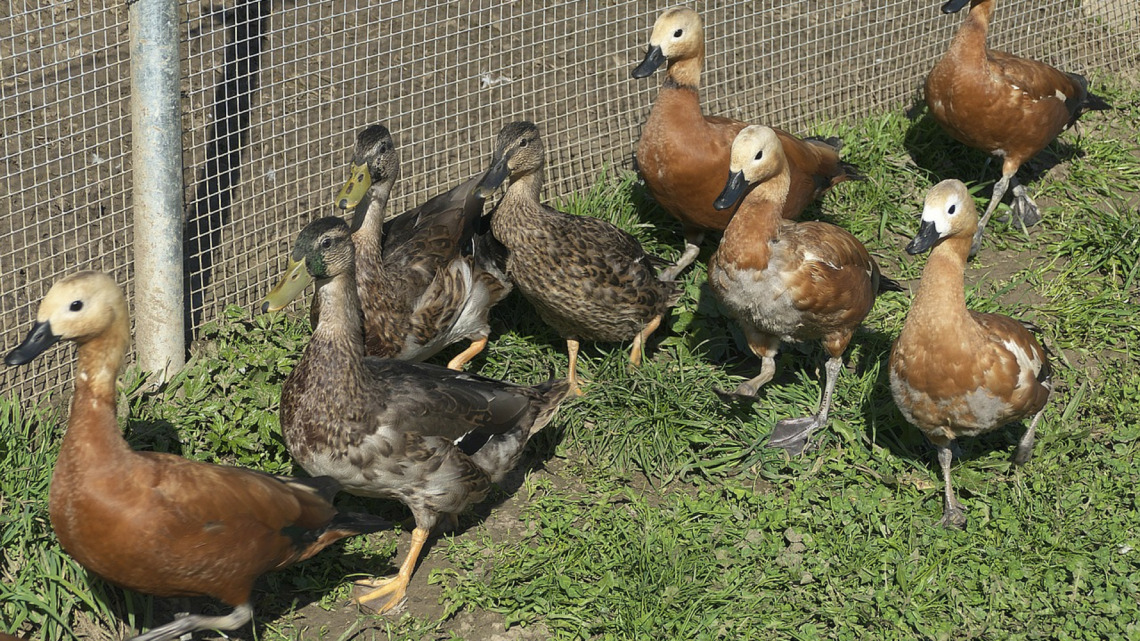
273,93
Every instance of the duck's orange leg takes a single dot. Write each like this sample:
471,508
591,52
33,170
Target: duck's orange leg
640,340
462,358
396,586
572,377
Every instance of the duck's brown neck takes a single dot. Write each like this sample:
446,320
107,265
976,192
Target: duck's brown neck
755,223
367,236
941,297
685,72
527,187
93,429
341,326
970,41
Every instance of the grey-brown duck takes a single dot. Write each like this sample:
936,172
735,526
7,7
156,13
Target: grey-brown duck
586,278
426,278
429,437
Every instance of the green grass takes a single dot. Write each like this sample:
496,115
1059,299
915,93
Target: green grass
666,517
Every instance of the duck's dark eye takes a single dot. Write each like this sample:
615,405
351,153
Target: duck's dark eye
523,142
677,33
951,210
76,305
326,242
760,154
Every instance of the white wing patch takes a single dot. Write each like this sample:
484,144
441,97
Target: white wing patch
1028,364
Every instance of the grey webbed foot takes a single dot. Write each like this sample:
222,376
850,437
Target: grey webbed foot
793,434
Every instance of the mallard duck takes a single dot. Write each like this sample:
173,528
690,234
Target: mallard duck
683,155
158,523
427,278
955,372
1004,105
586,278
431,438
783,280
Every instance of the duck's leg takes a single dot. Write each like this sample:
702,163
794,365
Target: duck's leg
1025,446
462,358
397,586
179,627
1024,210
640,340
765,347
1009,169
953,514
693,238
572,377
794,434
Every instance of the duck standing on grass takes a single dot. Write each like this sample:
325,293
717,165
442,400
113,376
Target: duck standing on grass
426,278
1004,105
432,438
787,280
956,372
682,154
586,278
157,523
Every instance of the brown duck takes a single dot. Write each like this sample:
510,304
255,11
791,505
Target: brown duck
158,523
955,372
683,154
784,280
1004,105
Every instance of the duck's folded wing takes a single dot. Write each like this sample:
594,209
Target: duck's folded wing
435,401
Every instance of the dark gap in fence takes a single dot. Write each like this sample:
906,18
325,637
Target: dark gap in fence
248,24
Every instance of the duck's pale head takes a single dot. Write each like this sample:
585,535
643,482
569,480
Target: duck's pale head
678,34
948,211
76,308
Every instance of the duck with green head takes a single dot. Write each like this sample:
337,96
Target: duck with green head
429,437
426,278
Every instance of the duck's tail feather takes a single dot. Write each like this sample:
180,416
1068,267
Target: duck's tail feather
888,284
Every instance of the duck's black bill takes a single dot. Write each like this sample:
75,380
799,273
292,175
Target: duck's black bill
927,236
654,58
954,6
38,340
733,191
494,177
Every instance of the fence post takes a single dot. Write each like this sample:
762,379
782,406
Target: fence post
156,133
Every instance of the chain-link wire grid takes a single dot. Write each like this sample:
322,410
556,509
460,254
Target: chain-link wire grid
274,92
65,179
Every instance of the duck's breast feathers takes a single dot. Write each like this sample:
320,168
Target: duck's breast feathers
986,374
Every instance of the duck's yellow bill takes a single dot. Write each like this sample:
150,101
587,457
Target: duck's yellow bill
296,279
359,180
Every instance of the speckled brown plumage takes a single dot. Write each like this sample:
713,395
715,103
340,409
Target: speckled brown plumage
956,372
1004,105
586,278
432,438
787,281
682,154
157,523
426,278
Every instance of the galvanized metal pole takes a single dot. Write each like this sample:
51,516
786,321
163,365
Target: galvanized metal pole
156,130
